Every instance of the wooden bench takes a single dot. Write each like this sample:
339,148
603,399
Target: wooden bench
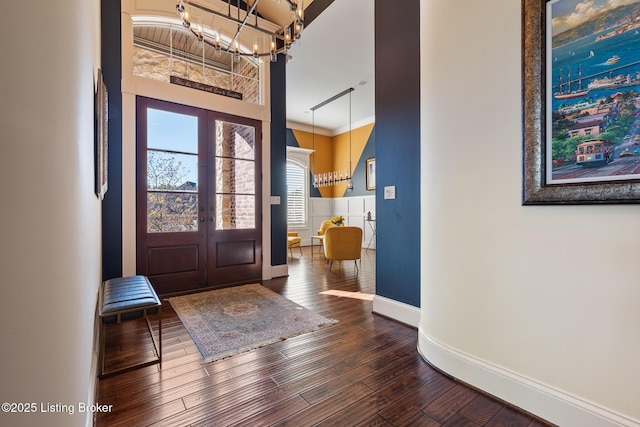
123,298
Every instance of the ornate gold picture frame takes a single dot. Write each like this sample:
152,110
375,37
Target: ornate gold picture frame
540,94
371,174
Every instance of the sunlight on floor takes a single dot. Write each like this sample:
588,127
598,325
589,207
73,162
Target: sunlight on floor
345,294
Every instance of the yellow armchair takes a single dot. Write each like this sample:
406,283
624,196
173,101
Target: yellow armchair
293,241
343,243
323,228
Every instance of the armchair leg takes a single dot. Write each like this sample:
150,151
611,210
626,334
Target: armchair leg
356,263
330,264
291,251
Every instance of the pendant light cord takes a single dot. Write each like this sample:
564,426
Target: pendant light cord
313,139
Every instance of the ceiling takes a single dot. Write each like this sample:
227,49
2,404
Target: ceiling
276,11
335,52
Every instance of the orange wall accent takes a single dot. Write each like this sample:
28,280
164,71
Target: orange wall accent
332,153
322,157
359,138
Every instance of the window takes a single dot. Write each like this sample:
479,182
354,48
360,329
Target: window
172,172
298,187
162,50
296,193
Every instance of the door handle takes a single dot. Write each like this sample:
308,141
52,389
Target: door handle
202,219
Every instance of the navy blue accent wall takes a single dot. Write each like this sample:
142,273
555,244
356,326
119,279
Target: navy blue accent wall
397,106
279,138
291,139
112,203
293,142
313,191
359,178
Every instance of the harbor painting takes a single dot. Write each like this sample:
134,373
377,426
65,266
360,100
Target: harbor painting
592,91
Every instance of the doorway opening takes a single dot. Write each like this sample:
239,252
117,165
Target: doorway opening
198,197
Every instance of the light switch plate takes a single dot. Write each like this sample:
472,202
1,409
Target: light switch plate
390,192
275,200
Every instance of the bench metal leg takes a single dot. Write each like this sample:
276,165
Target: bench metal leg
157,345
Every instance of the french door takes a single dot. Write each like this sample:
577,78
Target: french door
198,197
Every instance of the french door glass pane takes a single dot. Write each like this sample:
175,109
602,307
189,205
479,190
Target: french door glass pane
171,212
235,176
172,131
238,176
234,140
235,212
172,172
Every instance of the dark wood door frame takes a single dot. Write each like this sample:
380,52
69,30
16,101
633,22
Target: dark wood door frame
235,255
182,261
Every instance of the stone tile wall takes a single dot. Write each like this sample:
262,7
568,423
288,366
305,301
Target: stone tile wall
158,66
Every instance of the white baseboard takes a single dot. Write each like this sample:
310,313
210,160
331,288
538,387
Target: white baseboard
551,404
279,270
93,389
93,374
395,310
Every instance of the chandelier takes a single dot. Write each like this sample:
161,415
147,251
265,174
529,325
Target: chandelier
279,42
334,177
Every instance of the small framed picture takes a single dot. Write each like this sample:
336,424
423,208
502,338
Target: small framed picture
102,138
371,174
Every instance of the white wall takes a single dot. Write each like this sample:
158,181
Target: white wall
538,305
354,209
49,214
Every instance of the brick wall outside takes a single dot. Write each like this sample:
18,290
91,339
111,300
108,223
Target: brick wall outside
245,80
158,66
235,176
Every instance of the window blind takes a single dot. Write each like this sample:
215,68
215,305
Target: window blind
296,194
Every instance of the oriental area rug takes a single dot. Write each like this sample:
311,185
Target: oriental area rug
234,320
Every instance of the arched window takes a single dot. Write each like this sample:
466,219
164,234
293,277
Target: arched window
297,193
162,49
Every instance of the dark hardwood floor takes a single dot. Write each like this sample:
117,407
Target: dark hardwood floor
363,371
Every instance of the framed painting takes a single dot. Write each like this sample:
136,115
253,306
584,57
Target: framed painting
581,101
371,174
101,136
